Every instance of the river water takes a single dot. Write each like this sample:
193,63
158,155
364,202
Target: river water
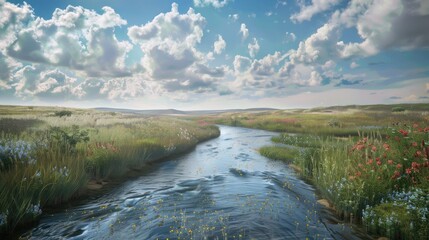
222,190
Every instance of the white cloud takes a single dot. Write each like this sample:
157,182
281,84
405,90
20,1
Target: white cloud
12,19
301,74
76,38
308,11
214,3
244,31
384,24
354,65
253,48
234,17
219,45
290,37
170,56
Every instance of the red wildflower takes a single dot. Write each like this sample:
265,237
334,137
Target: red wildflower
396,174
370,161
418,154
399,166
408,171
358,174
415,165
414,144
426,129
386,146
390,162
378,163
403,132
374,148
415,125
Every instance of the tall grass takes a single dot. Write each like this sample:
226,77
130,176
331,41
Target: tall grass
46,160
366,180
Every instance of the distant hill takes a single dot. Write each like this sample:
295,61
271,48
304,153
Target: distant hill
178,112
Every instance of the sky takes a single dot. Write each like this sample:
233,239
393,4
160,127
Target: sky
213,54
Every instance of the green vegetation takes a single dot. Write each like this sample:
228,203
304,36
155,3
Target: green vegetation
48,158
370,162
279,153
63,113
343,121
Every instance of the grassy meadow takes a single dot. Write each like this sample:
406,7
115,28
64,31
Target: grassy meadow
50,155
369,162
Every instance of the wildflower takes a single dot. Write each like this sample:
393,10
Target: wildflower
370,161
415,125
396,174
374,148
3,218
415,166
414,144
378,163
386,146
408,171
358,174
390,161
403,132
399,166
418,154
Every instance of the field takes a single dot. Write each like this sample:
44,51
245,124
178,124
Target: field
51,155
369,162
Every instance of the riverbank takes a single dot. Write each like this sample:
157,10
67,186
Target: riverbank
376,176
52,155
222,189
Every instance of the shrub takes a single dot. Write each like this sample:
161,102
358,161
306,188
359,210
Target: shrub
398,109
63,113
68,138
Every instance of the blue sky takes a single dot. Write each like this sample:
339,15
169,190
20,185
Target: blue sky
213,54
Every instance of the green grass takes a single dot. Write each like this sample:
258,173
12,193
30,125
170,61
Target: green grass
362,159
279,153
47,159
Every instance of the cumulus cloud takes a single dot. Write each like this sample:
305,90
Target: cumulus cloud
170,55
308,11
76,38
214,3
12,19
219,45
383,24
253,48
253,74
244,31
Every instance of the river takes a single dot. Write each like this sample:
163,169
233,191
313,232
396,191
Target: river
222,190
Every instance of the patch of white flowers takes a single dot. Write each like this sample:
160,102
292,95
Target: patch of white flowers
19,151
34,209
61,171
3,219
184,134
415,203
169,148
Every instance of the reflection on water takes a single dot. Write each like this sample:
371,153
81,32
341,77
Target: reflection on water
222,190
